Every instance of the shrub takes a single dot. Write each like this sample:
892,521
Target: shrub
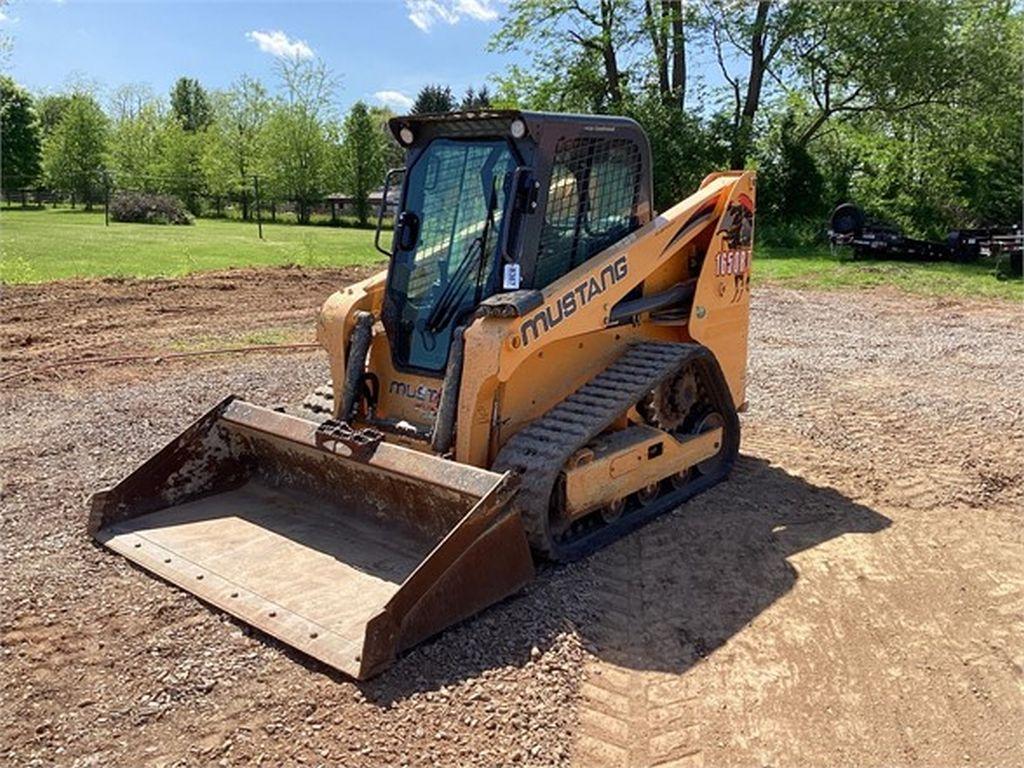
148,208
793,232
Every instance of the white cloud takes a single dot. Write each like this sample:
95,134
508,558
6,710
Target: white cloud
277,43
397,100
425,13
3,17
481,10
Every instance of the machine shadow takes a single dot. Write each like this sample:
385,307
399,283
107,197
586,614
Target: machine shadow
682,587
662,598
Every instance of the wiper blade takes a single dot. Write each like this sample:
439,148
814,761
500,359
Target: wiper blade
452,294
451,297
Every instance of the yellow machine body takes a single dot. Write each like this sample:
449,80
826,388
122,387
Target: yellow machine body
565,416
518,368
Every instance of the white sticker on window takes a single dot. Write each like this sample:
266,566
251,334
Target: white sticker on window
512,279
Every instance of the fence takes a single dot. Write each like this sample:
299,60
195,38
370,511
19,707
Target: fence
247,202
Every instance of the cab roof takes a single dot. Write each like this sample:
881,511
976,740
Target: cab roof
498,122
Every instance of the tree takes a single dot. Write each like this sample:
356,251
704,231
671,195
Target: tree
298,151
598,54
362,158
128,101
433,99
829,98
932,51
579,89
754,37
569,35
789,183
181,143
848,58
234,149
137,119
50,109
136,145
685,147
903,108
74,154
20,147
393,154
180,168
665,24
190,104
940,166
474,100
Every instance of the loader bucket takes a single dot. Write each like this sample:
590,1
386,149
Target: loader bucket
348,556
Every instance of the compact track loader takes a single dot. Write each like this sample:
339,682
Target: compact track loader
545,365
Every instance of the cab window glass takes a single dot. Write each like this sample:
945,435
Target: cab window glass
591,203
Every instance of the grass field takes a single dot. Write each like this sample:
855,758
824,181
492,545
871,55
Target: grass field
42,245
817,268
37,246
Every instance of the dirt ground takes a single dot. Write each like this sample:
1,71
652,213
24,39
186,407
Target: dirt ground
853,596
61,321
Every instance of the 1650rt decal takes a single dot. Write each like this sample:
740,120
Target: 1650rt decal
737,230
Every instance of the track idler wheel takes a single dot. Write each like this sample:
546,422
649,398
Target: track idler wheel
648,494
708,422
682,479
613,511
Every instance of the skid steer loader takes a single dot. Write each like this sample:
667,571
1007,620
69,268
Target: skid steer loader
545,365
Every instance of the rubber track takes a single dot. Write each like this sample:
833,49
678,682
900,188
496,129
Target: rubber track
318,405
538,452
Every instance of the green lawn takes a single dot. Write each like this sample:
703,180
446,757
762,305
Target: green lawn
817,268
41,245
37,246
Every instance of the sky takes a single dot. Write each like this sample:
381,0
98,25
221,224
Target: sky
383,50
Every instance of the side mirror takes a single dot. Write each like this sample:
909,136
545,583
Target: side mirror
524,201
388,182
408,230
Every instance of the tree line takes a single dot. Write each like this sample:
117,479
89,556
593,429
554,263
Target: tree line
913,109
201,145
